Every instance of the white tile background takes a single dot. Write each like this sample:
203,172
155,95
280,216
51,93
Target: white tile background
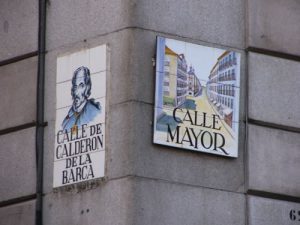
93,58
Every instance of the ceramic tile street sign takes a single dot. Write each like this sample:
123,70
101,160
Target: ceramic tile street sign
197,97
79,153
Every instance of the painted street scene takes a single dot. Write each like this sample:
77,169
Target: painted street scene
197,97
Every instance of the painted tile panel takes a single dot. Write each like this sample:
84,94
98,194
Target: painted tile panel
197,97
79,153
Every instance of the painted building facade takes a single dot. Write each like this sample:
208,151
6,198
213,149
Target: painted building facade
194,83
222,87
170,77
182,80
175,78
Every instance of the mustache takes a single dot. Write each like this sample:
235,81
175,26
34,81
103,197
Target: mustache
78,96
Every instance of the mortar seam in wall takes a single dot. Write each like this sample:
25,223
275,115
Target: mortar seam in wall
189,38
251,192
17,200
66,45
132,101
18,58
273,125
17,128
277,54
160,180
275,196
20,127
263,194
175,182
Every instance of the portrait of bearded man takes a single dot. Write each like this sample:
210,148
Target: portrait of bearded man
83,109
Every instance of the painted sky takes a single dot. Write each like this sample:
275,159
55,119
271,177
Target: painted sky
200,57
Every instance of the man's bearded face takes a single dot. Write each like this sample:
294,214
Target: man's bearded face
79,90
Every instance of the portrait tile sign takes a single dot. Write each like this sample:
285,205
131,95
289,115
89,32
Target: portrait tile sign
79,153
197,97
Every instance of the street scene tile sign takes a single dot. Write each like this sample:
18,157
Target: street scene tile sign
79,153
197,97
